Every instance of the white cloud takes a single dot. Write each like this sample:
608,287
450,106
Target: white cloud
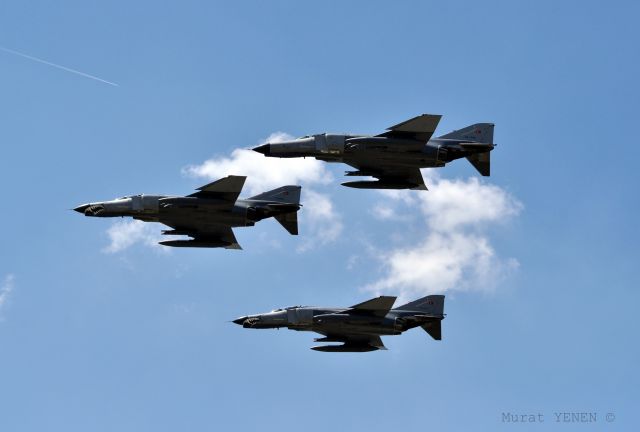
457,204
277,137
384,212
320,223
389,212
263,173
125,233
5,290
456,252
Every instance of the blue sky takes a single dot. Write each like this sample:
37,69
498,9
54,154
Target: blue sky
539,262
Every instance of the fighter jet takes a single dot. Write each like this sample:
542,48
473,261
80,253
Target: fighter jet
208,215
358,327
394,157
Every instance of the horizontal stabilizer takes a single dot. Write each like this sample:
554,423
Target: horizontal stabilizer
481,162
284,194
434,328
289,221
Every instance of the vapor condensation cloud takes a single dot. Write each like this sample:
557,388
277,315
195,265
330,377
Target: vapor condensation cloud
55,65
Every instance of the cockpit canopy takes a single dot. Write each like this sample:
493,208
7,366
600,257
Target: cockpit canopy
139,203
129,196
287,308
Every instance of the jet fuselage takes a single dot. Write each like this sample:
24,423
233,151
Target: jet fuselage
208,215
334,321
155,208
394,157
358,327
360,149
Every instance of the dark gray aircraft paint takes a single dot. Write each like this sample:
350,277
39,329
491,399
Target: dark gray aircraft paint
358,327
208,215
395,156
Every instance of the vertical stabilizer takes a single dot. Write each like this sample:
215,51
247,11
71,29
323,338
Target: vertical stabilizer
430,309
479,132
478,140
432,305
283,204
284,194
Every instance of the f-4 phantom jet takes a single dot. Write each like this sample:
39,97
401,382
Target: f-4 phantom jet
394,157
358,327
207,215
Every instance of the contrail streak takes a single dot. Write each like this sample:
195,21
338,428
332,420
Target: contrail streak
57,66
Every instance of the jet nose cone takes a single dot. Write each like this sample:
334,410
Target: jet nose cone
82,208
95,209
265,149
240,320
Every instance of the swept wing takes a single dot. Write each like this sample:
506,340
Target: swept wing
227,188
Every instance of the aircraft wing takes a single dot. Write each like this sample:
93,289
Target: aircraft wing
204,235
419,128
392,175
371,340
379,306
218,232
227,188
351,343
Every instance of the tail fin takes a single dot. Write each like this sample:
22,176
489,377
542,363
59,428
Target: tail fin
479,132
284,194
432,305
477,135
279,199
289,221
